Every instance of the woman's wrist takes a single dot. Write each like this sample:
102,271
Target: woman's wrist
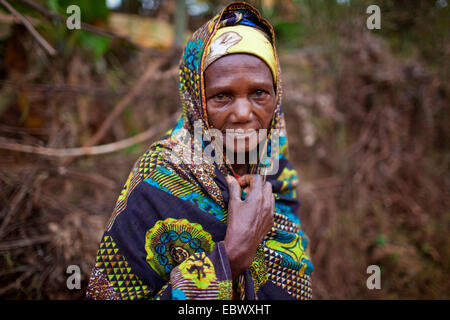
231,257
237,257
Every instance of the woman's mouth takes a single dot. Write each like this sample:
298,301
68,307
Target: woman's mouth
240,134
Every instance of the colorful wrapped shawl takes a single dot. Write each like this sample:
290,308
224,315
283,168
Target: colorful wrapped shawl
165,237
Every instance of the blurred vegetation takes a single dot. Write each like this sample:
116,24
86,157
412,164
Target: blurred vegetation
368,124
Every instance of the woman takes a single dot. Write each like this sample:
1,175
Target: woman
188,228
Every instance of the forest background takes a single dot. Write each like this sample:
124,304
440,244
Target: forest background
368,122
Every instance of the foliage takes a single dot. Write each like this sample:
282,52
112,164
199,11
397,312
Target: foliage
93,12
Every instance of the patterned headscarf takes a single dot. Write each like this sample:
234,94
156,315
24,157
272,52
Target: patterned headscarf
192,84
242,39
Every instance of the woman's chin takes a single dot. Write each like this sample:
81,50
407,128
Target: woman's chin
239,146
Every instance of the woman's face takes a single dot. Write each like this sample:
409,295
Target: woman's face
240,95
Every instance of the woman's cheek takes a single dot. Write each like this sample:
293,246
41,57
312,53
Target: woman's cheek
215,118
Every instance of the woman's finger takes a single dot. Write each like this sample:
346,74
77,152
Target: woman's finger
234,189
245,180
256,184
273,204
268,195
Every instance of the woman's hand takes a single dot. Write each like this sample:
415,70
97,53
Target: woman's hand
248,221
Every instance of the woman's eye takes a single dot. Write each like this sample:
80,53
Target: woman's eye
220,96
260,93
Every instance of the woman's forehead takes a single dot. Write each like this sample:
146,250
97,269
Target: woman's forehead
235,69
239,62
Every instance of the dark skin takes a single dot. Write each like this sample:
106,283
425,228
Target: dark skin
240,95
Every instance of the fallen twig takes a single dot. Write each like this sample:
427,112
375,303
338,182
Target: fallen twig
13,244
48,201
90,177
10,211
18,281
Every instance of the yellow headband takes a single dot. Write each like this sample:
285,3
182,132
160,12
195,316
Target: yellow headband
241,39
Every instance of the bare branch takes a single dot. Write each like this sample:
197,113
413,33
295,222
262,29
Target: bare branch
125,101
84,151
85,26
51,51
13,244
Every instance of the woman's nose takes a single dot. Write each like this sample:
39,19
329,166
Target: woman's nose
242,111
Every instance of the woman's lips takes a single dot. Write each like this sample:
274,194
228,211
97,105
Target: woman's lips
240,134
240,140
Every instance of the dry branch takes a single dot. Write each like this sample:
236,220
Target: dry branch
85,26
123,103
14,244
85,151
51,51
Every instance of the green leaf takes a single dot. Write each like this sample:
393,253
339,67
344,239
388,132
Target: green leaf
94,43
381,240
53,5
90,10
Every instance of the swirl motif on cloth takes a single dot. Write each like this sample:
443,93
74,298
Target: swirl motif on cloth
171,241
